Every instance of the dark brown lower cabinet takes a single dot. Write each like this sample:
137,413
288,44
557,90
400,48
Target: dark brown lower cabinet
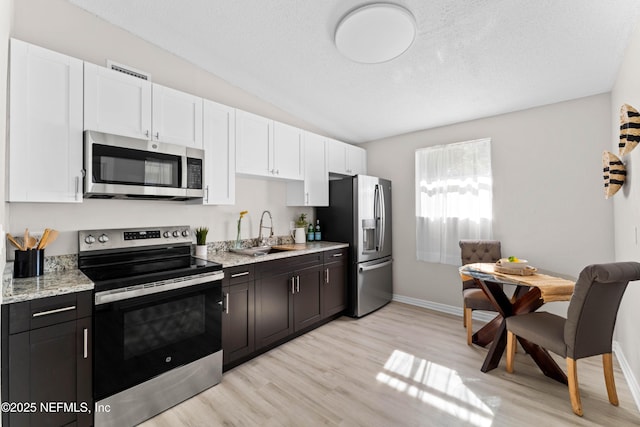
47,361
287,297
238,316
334,288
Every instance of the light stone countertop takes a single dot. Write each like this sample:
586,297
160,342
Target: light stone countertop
50,284
230,259
68,280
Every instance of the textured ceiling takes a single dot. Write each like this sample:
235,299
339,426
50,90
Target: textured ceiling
470,59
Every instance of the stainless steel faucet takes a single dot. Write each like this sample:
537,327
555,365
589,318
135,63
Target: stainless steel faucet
270,227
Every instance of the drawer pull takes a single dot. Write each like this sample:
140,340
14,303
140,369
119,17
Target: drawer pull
86,345
57,310
244,273
337,255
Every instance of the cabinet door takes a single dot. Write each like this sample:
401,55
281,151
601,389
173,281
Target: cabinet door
336,157
238,321
334,295
314,190
274,315
48,365
116,103
253,139
45,124
287,152
220,154
177,117
306,299
356,160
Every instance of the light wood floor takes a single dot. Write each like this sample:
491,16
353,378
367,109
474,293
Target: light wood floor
400,366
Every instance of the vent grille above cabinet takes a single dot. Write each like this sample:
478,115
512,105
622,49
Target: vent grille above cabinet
128,70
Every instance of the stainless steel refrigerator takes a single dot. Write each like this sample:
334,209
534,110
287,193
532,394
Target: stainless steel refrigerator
359,213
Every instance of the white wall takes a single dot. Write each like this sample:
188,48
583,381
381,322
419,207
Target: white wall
548,203
627,208
63,27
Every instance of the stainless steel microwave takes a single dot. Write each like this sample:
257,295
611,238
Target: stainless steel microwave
120,167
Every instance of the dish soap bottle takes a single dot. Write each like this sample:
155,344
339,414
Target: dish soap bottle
310,233
318,236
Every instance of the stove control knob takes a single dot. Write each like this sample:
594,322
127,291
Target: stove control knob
185,233
176,233
103,238
166,234
89,240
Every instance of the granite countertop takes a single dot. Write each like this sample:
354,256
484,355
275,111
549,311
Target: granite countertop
50,284
230,259
69,280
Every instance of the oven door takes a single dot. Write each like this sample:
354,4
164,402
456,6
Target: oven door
136,339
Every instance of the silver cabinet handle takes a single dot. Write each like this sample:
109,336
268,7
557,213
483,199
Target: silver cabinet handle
373,267
86,346
337,255
57,310
226,303
206,193
327,277
293,289
77,179
146,133
244,273
298,284
157,135
307,196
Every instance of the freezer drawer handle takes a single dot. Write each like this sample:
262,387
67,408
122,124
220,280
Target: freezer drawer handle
373,267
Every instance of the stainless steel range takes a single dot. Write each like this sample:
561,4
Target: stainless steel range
157,321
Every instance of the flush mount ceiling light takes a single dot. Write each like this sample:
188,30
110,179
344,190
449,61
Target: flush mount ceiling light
375,33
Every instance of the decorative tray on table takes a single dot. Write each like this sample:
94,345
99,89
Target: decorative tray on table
514,265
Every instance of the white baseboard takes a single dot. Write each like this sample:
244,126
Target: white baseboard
632,382
634,386
483,316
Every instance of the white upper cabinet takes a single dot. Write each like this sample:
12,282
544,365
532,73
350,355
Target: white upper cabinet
346,159
116,103
220,154
287,154
254,135
122,104
314,190
268,148
45,139
177,117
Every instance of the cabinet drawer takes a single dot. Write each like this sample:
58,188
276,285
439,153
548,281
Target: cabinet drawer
335,255
43,312
239,274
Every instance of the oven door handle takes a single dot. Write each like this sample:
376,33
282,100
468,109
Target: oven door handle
113,295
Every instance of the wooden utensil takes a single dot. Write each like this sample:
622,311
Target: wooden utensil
25,239
31,242
43,239
15,242
53,235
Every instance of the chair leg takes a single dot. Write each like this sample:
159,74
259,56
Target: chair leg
464,315
511,350
574,392
468,315
607,364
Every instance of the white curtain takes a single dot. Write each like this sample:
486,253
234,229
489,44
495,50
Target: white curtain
453,198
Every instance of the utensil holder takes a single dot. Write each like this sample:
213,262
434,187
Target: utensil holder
29,263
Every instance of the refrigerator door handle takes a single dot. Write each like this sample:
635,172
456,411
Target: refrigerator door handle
376,266
382,210
376,216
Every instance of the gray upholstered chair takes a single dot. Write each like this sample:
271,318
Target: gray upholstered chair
474,298
588,328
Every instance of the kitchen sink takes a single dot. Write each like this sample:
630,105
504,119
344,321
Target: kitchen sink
261,250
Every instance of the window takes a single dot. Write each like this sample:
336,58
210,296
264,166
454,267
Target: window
453,198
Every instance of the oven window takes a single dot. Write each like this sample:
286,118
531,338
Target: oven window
117,165
157,326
